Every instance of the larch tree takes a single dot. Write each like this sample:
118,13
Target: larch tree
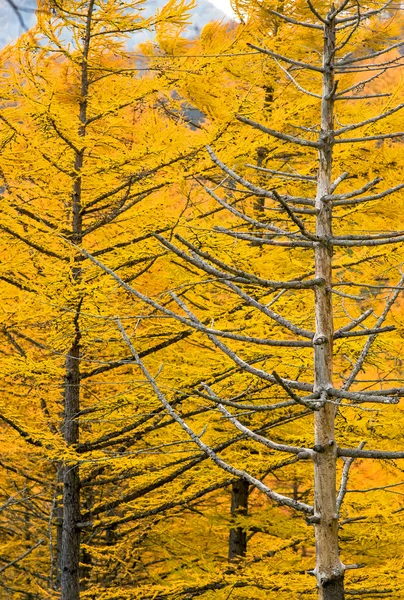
83,146
317,228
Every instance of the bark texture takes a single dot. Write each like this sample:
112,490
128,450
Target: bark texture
329,570
239,507
70,550
71,482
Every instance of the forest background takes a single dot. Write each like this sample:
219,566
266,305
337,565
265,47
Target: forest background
160,242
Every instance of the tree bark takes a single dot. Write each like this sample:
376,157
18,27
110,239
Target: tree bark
70,551
59,526
71,482
329,570
239,506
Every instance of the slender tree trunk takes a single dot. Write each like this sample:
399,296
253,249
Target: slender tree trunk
70,553
71,482
260,200
329,570
239,506
59,525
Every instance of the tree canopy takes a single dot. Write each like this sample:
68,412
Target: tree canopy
201,282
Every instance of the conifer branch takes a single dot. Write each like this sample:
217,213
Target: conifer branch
296,243
24,434
279,135
253,188
383,115
297,284
278,498
365,351
344,478
344,202
20,558
295,63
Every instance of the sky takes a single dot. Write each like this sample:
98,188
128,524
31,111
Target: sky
223,5
10,27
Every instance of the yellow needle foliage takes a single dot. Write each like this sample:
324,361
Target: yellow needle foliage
154,512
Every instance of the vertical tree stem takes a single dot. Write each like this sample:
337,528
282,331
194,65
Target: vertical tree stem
239,506
329,570
70,552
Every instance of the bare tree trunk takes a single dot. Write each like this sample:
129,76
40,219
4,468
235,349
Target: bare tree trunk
239,506
329,570
260,200
70,555
59,525
71,482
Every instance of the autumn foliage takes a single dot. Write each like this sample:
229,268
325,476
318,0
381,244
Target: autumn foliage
161,238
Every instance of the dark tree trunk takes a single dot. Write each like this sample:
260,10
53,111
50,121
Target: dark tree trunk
334,589
239,507
70,552
59,527
71,482
262,153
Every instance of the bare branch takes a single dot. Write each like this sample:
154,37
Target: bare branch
295,219
306,452
344,478
270,313
278,135
366,15
377,454
263,240
278,498
371,120
370,138
373,56
375,331
296,83
284,285
370,198
339,180
295,63
316,13
363,355
353,193
253,188
246,218
284,17
360,84
316,405
282,173
354,323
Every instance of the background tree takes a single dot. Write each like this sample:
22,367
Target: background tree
89,146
